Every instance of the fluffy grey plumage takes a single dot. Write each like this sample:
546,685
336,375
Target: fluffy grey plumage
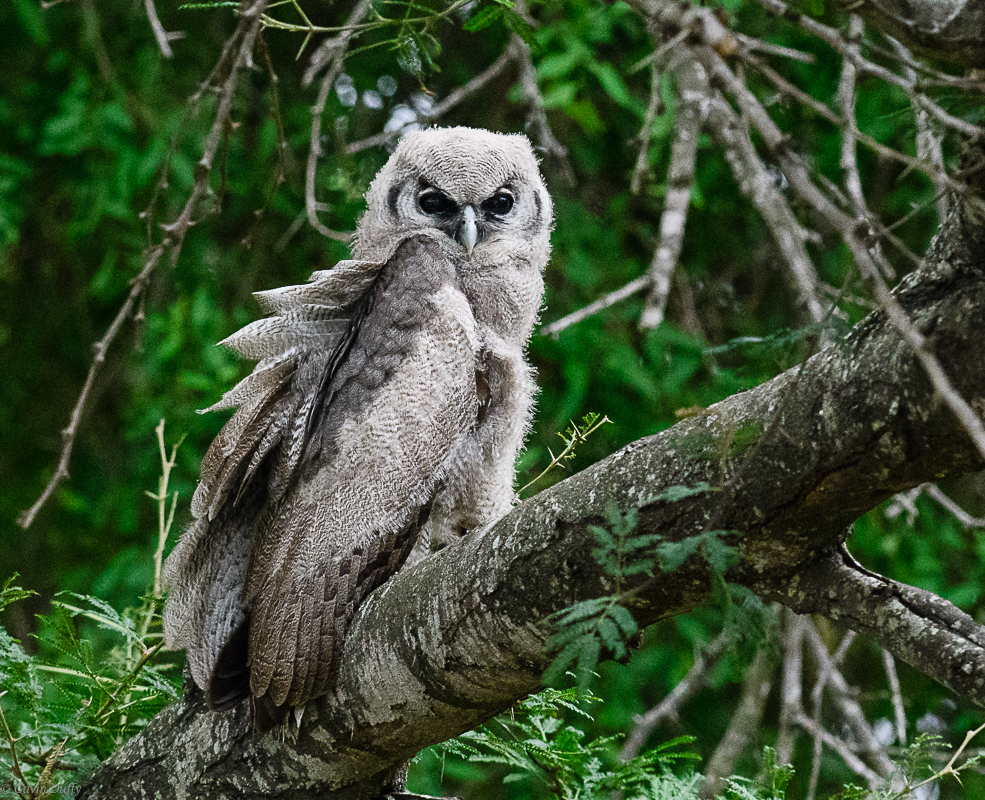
389,403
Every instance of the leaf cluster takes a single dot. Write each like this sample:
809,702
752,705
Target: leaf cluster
586,630
540,750
68,707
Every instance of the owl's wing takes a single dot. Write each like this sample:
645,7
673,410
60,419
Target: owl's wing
364,437
206,571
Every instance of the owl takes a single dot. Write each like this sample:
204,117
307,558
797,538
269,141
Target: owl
390,400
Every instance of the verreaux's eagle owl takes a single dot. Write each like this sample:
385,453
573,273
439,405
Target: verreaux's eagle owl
391,397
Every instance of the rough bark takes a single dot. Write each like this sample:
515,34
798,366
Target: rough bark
786,467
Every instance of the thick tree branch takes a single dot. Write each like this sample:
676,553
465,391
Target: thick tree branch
917,626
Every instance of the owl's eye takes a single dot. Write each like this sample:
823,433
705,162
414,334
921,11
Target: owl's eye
499,204
436,203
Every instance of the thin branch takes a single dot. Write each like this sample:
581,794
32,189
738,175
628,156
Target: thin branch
692,85
101,348
759,186
633,287
846,101
683,691
847,95
466,90
653,108
790,687
934,172
929,146
845,702
537,121
833,37
161,35
817,695
743,728
453,99
339,46
899,713
846,227
854,763
949,767
753,45
964,518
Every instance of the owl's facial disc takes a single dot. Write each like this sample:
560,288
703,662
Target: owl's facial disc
469,223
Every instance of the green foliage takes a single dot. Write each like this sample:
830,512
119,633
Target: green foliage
540,754
588,629
71,704
68,708
772,785
546,757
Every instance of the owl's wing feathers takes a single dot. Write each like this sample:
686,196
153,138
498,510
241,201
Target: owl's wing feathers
394,410
311,321
207,568
350,426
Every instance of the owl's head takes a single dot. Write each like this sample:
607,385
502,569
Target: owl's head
482,190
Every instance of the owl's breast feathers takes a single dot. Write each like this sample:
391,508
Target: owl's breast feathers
314,492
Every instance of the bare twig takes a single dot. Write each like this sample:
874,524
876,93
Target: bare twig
899,714
817,695
161,35
693,88
852,761
792,681
949,767
453,99
633,287
165,518
847,95
683,691
753,45
964,518
537,122
653,107
846,100
466,90
339,46
743,727
849,708
928,139
834,38
846,227
931,170
758,185
101,347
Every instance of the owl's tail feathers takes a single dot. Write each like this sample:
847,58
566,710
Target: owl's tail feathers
267,715
229,682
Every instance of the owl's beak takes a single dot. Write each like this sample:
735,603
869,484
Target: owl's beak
468,233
